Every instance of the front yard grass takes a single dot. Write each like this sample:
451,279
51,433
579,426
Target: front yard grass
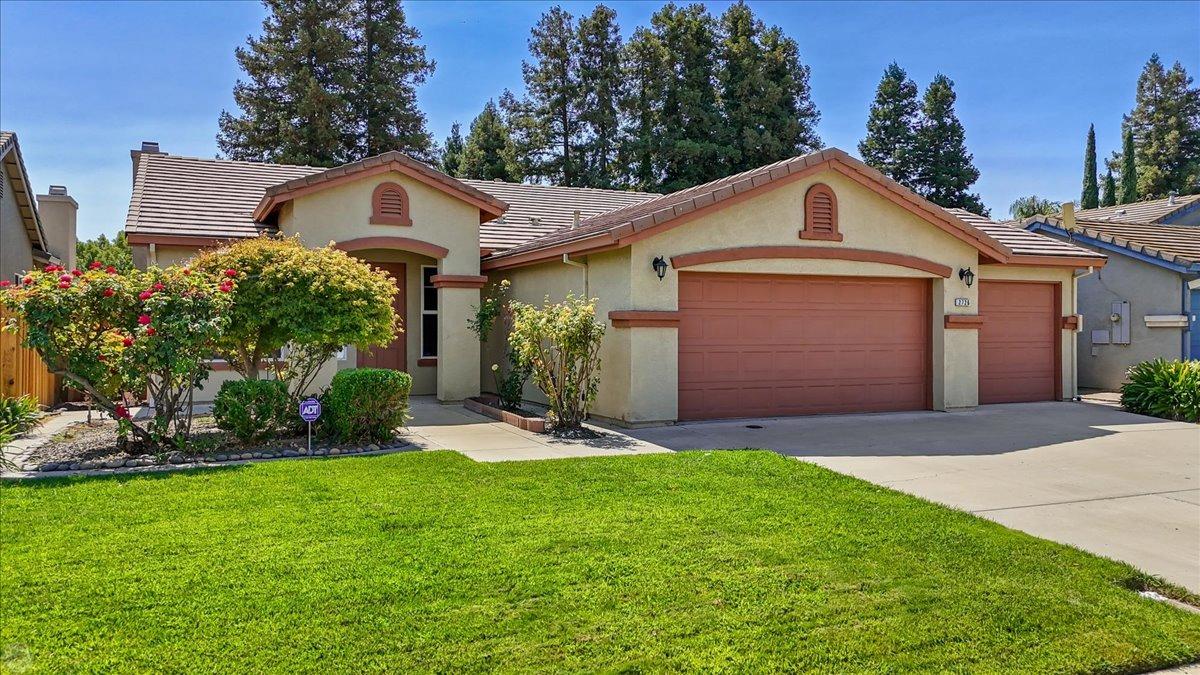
429,561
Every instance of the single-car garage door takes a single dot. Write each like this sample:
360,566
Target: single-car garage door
1018,342
759,345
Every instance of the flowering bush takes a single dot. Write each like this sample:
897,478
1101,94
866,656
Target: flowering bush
113,334
561,344
312,301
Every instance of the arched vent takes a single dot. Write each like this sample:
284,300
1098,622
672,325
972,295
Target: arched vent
820,214
389,205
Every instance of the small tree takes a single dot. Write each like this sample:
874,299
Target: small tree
111,335
1033,205
561,344
312,301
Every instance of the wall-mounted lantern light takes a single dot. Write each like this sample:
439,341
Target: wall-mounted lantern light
660,267
967,276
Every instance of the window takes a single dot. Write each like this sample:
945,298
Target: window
429,314
820,214
389,205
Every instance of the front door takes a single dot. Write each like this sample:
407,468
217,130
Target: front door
395,355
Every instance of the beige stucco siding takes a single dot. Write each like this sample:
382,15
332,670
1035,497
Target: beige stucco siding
16,253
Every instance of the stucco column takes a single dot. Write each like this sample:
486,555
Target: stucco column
458,347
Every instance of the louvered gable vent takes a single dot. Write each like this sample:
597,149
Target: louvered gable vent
820,214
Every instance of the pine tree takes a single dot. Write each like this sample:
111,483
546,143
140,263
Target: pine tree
489,153
552,87
452,153
293,102
891,140
1165,122
1091,189
691,149
1110,190
643,70
768,112
945,172
1129,178
389,65
600,94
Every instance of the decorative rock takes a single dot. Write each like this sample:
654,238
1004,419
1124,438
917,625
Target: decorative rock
132,462
335,451
75,466
147,462
48,466
290,453
373,447
89,464
176,457
320,452
221,458
114,463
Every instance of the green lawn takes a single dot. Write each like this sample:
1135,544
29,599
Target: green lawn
429,561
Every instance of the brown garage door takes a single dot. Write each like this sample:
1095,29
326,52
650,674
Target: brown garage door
758,345
1018,342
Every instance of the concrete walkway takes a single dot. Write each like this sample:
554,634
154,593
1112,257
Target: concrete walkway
435,426
1120,485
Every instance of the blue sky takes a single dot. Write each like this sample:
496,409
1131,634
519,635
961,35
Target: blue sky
83,83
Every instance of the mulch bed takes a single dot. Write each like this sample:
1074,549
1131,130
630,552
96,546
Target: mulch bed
83,446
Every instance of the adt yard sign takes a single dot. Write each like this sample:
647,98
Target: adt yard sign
310,411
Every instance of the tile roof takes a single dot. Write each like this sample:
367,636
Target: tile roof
191,196
653,212
538,210
1178,244
1150,211
1022,241
14,166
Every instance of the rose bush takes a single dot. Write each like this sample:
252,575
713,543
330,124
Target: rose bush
112,334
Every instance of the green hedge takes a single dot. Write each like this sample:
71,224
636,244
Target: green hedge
252,410
365,404
1162,388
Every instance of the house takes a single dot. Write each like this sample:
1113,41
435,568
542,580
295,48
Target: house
34,231
811,285
1146,302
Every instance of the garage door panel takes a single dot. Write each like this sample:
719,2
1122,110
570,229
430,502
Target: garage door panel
822,345
1018,342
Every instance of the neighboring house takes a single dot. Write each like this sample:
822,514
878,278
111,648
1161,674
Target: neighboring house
1146,302
811,285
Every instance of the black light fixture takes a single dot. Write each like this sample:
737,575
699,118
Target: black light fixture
967,276
660,267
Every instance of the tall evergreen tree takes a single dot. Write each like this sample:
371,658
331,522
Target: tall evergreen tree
691,149
452,153
1091,188
552,86
388,64
768,111
293,103
643,70
600,94
945,170
1109,197
1165,122
1129,178
489,153
891,141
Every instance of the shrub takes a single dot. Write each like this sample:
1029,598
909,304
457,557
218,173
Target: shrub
561,344
19,412
1162,388
366,404
252,410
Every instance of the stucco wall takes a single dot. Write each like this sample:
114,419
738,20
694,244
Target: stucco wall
16,253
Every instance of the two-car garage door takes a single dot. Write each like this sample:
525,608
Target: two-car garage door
759,345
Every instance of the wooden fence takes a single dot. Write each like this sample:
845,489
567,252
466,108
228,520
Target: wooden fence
22,370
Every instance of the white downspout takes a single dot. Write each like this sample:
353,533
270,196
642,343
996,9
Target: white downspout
1075,344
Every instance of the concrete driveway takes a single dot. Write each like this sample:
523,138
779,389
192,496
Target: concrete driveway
1120,485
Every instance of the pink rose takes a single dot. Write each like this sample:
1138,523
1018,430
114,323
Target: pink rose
144,319
145,295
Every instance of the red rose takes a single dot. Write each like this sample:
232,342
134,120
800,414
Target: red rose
231,273
66,277
225,287
121,412
64,284
76,272
27,280
110,269
50,268
144,319
5,283
108,292
145,295
187,271
150,330
128,342
158,286
101,358
94,265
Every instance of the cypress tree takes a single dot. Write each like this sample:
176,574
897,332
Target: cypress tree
1091,189
643,70
1129,179
1110,190
293,103
388,64
1165,122
553,88
452,153
600,96
489,153
945,170
891,140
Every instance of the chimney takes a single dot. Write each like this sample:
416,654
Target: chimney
1068,216
148,148
57,211
1171,198
575,220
